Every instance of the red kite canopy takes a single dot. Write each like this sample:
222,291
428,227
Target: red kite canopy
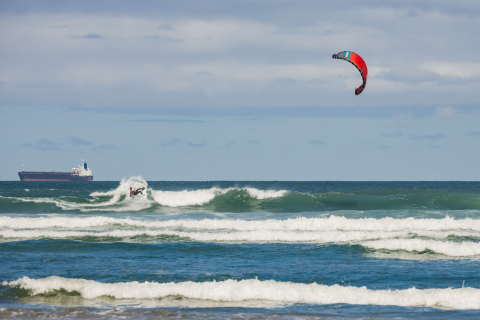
358,62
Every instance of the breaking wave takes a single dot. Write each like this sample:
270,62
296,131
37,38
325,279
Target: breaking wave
243,237
232,198
253,289
330,223
203,196
448,237
118,199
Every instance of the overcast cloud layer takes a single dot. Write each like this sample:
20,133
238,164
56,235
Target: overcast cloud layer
189,72
105,54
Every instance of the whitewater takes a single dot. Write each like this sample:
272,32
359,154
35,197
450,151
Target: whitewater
232,290
240,249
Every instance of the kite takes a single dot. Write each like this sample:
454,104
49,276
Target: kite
358,62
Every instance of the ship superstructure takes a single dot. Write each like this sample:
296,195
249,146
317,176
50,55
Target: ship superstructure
80,173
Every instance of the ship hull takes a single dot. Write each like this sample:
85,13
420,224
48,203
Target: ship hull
52,176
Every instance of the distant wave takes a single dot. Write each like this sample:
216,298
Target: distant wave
244,290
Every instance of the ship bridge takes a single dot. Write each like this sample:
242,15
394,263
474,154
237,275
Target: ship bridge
82,170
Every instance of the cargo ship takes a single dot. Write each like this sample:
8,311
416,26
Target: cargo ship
79,173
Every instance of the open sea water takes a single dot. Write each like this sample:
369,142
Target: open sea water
240,250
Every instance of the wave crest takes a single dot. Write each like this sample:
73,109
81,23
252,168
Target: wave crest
412,235
203,196
330,223
253,289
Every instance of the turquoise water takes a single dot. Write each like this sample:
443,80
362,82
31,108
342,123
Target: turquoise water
240,250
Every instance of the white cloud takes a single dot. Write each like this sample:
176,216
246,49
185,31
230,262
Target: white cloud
454,69
446,113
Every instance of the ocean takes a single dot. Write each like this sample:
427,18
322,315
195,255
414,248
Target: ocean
240,250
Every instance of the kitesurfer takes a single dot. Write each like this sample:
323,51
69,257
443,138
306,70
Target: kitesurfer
139,190
132,193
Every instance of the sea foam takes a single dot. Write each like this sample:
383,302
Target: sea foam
115,203
448,248
186,197
203,196
253,289
378,234
331,223
242,237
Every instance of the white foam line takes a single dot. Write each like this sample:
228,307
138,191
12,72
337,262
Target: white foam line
113,204
50,222
337,237
249,236
270,290
448,248
35,234
332,223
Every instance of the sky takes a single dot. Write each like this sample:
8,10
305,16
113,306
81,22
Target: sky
240,90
